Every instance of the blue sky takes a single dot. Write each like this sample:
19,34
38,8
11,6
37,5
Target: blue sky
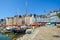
8,8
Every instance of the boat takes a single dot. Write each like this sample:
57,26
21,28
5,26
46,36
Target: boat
18,31
21,29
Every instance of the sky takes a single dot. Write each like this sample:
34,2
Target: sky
9,8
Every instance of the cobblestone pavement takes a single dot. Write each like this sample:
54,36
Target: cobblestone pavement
46,33
42,33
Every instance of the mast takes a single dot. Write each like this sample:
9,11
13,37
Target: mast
45,16
44,12
26,12
17,20
26,8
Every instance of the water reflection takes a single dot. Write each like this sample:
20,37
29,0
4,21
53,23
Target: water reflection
2,37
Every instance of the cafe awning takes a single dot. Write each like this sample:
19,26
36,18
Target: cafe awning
14,25
9,25
37,24
33,24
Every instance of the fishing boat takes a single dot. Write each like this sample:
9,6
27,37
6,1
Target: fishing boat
18,31
21,29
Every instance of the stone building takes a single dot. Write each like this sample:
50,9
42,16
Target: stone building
9,21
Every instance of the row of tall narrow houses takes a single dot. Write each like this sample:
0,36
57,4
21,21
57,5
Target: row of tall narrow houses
14,20
54,17
31,19
9,21
19,20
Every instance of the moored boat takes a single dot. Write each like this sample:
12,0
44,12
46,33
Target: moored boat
18,31
21,29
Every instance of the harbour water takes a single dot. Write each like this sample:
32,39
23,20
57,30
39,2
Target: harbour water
2,37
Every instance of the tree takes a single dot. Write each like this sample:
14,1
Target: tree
59,15
34,15
2,19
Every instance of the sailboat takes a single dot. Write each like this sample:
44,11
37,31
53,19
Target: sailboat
18,29
23,28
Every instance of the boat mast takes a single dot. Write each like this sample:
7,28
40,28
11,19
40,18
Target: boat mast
26,12
26,8
17,20
44,15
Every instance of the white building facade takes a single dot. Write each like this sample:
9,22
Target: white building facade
54,17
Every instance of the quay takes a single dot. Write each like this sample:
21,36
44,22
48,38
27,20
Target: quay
42,33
